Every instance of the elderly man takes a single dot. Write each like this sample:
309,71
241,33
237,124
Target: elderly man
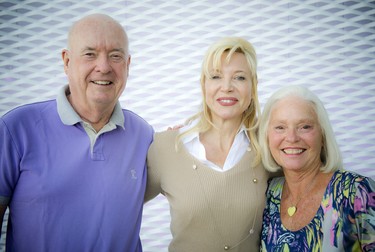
73,170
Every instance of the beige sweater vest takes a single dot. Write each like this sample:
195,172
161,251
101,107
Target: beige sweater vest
210,211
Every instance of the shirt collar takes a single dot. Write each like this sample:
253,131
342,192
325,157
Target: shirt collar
70,117
195,135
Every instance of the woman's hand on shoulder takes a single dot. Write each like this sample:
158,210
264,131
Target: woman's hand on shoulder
176,127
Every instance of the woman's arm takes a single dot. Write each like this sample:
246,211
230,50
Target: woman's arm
364,211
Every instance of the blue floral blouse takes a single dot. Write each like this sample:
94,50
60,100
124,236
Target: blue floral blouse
345,220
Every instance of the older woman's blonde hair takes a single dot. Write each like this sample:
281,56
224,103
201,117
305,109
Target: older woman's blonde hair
212,60
330,154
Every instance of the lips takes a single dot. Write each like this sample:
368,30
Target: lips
227,101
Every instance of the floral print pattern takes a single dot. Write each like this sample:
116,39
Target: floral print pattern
345,220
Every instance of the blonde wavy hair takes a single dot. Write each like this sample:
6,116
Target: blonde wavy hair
212,60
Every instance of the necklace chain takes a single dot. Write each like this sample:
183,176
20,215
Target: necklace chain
293,208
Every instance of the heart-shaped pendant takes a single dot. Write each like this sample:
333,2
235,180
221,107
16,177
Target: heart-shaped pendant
291,210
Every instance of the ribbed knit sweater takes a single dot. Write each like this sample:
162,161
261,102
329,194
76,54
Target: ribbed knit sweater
209,209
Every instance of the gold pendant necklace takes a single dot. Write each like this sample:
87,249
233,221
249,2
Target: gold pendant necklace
293,208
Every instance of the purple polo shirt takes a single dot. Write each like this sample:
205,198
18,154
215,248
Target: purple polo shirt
64,195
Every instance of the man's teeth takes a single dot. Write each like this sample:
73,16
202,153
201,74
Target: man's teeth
293,151
102,82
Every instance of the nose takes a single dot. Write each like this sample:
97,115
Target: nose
227,85
292,135
103,64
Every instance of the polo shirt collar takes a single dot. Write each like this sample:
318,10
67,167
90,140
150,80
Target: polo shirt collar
70,117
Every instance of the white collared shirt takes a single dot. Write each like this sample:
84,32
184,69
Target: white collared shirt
237,150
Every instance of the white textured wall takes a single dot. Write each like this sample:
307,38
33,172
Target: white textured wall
326,45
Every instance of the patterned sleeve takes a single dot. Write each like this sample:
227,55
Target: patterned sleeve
270,227
364,211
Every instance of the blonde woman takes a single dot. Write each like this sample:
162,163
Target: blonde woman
210,170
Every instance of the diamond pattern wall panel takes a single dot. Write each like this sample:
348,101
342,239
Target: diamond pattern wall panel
327,45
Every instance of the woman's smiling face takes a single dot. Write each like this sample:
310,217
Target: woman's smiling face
228,90
294,134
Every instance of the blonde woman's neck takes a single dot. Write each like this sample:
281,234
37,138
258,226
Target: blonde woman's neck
218,141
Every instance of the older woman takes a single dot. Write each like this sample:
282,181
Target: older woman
210,169
317,206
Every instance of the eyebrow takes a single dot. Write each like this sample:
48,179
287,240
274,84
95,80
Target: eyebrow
118,50
236,71
242,71
303,120
87,48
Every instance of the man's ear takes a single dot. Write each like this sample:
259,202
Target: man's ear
65,58
128,63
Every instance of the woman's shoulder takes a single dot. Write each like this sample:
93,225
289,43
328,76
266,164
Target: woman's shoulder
275,185
167,135
276,181
350,178
351,184
162,150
